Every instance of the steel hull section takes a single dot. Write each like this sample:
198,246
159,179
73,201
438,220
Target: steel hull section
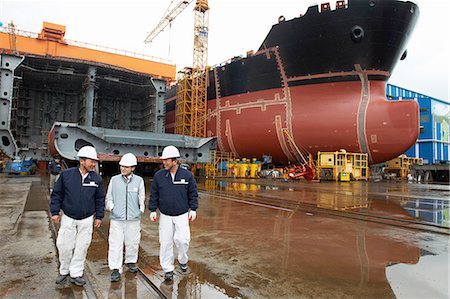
65,139
320,117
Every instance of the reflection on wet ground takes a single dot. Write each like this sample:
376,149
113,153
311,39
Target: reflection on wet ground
257,239
266,239
426,203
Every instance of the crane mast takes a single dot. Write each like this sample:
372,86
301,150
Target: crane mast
190,112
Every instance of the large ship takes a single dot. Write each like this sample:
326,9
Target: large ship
320,78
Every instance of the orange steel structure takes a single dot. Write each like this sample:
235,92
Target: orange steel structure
51,42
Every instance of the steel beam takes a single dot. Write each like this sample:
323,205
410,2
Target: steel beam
160,108
8,63
89,95
66,139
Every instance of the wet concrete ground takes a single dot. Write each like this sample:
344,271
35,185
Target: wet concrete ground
262,239
28,262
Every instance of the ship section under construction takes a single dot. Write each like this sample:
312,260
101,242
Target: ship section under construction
47,79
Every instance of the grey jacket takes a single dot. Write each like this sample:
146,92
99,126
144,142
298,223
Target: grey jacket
125,198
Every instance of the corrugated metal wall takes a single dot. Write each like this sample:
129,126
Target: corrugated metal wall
433,142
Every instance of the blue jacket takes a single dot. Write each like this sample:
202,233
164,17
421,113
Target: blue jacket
78,200
173,198
54,168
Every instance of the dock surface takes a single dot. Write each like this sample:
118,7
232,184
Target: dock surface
251,239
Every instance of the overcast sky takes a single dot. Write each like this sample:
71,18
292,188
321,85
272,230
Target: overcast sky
236,26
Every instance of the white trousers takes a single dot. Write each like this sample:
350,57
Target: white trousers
74,238
120,232
173,229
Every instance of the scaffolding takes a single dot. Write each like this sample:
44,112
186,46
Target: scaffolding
192,93
342,166
183,110
219,164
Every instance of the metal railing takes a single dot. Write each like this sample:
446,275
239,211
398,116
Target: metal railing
92,46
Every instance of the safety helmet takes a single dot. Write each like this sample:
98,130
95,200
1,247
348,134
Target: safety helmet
88,152
170,152
128,160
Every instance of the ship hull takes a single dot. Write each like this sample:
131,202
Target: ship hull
253,124
312,79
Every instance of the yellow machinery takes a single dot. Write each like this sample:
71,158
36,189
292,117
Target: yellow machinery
232,168
224,164
219,164
244,168
401,166
342,166
345,176
255,169
2,165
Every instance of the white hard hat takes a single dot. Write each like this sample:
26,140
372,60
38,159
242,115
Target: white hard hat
128,160
170,152
88,152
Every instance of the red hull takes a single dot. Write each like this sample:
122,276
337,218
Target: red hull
321,117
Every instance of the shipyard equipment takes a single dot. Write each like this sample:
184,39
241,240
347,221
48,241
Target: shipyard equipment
219,164
400,167
20,166
190,114
2,165
306,167
342,165
167,19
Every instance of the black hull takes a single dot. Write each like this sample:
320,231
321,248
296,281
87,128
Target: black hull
323,43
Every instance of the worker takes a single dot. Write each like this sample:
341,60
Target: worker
125,199
79,194
174,193
55,170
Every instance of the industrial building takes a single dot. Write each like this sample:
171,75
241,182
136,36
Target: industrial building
433,142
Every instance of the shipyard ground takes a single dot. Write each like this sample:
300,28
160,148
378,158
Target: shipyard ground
252,239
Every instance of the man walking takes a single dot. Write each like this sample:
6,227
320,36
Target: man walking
174,193
125,199
79,194
55,170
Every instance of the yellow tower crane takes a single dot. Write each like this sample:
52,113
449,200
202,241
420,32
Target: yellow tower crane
167,19
199,69
190,112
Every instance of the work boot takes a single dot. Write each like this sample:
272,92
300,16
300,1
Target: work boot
132,266
168,276
183,267
61,278
115,275
79,281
